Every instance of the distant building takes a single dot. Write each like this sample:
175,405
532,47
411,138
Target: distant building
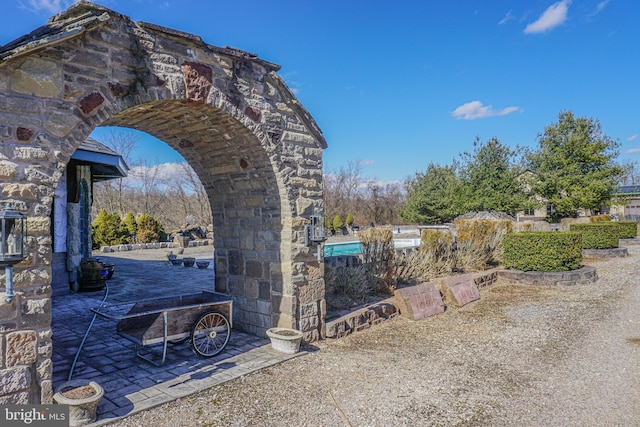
631,209
71,213
628,211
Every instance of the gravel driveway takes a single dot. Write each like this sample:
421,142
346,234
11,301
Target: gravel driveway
521,356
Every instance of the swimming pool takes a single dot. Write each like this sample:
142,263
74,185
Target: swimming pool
354,248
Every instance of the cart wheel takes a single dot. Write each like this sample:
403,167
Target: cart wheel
210,334
178,341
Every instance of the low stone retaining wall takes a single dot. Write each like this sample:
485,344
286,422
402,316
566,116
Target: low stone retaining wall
630,242
156,245
605,253
362,319
386,309
583,276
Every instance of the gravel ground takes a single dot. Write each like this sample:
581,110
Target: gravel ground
521,356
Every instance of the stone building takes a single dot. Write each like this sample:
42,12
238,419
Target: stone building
71,214
255,148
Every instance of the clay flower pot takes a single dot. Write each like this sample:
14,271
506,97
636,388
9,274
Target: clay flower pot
285,340
82,396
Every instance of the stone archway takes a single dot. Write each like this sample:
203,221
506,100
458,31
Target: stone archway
255,148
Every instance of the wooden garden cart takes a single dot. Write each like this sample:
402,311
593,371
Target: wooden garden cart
203,318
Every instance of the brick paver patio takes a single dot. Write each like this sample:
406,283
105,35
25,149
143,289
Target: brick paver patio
130,383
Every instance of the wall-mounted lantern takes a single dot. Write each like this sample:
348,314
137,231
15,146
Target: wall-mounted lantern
316,232
13,229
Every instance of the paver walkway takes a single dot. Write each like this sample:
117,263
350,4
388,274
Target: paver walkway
130,383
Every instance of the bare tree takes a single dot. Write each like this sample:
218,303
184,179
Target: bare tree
346,192
110,195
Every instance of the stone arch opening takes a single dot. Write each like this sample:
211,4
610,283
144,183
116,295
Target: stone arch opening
255,148
243,193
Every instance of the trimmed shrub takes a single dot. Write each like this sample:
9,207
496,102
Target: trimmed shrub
337,222
378,256
108,230
130,223
149,230
543,251
433,259
598,235
479,242
349,220
328,223
599,218
628,229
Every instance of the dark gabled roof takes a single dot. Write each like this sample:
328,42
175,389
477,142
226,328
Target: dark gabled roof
105,163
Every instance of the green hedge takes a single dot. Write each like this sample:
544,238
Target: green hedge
628,229
599,235
542,251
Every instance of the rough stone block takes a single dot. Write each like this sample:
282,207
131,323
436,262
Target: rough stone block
21,348
15,379
463,292
8,169
309,310
20,398
46,392
38,77
418,302
336,329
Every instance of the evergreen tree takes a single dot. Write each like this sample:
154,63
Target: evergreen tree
130,223
149,230
108,230
433,197
492,178
574,166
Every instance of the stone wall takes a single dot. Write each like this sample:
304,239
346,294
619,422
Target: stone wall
256,150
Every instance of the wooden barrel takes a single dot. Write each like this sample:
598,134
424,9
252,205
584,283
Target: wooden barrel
94,276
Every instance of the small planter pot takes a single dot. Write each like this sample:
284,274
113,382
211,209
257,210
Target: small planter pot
285,340
110,269
188,261
202,264
83,397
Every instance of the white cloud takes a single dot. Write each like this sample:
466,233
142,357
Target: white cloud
599,8
476,110
633,150
508,17
554,16
632,137
163,173
51,6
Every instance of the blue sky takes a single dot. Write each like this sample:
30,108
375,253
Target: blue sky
399,84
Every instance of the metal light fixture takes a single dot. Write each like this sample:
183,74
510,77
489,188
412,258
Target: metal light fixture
316,232
12,243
